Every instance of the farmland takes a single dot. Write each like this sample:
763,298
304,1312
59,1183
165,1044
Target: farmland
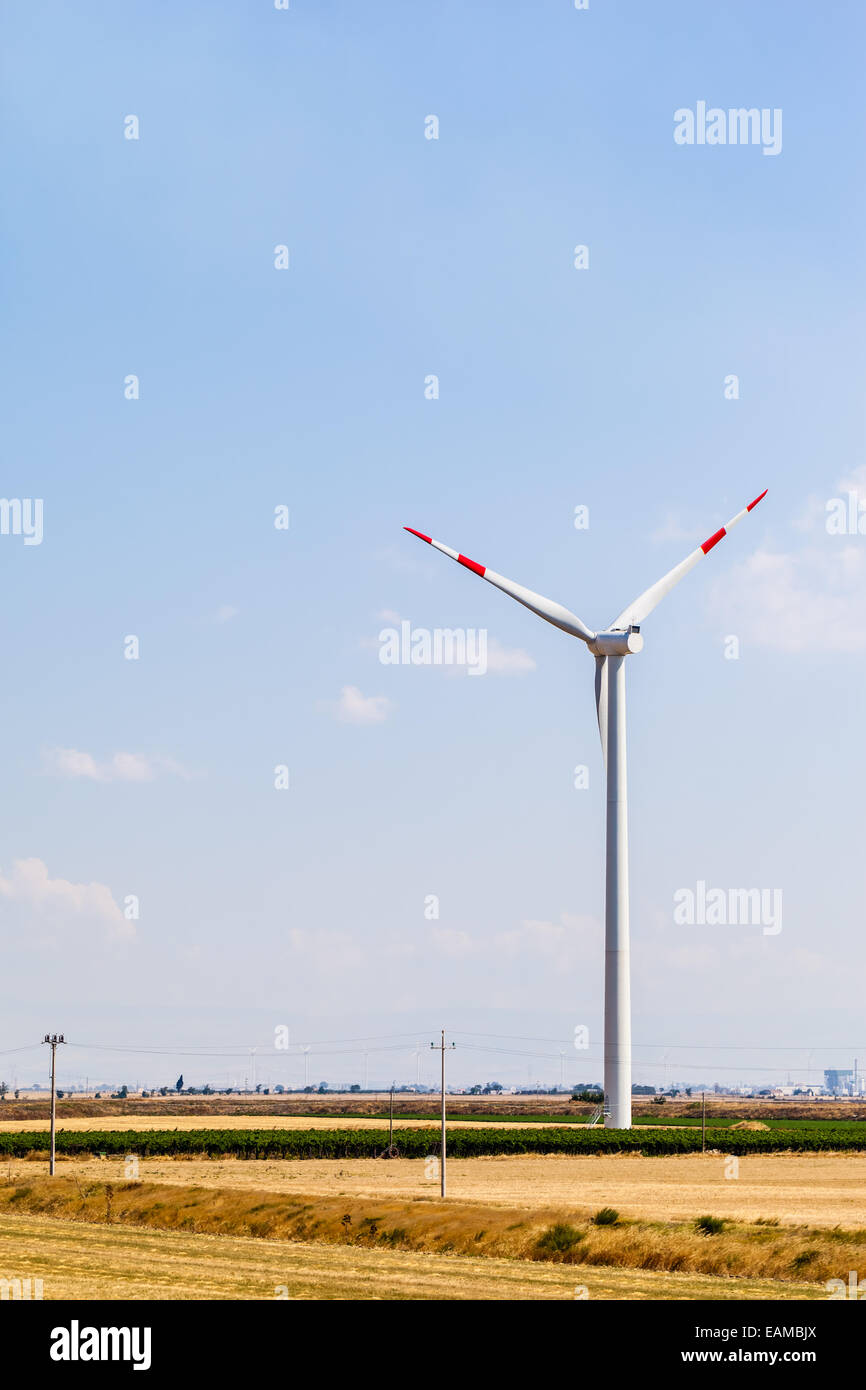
254,1121
418,1142
374,1106
571,1233
312,1194
818,1189
95,1262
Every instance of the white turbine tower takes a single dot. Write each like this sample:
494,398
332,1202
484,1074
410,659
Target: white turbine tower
610,648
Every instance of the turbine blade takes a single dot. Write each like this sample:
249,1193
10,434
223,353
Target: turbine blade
544,607
601,702
644,604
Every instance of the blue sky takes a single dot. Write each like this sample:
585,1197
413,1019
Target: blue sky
305,387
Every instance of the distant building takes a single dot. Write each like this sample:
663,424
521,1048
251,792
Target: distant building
839,1083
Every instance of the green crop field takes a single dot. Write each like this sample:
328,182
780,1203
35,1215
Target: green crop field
418,1143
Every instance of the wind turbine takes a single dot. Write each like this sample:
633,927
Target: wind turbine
620,639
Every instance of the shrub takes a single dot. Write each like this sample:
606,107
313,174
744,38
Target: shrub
559,1239
608,1216
709,1225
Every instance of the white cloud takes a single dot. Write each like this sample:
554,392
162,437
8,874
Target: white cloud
575,938
814,514
672,529
121,767
791,601
32,899
508,661
225,613
355,708
454,945
855,481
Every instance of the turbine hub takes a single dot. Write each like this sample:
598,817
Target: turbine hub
616,643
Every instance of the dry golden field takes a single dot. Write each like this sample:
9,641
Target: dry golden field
78,1261
819,1189
143,1122
356,1106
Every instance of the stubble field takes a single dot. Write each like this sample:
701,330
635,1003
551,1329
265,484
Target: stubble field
99,1261
819,1189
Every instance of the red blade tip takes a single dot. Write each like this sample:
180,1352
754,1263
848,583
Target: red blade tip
757,499
714,540
419,534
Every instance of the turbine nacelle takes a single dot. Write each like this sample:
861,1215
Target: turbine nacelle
616,643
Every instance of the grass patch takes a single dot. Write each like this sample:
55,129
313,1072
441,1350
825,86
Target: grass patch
608,1216
737,1249
710,1225
558,1239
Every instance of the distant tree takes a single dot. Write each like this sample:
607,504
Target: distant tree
4,1090
60,1095
178,1085
354,1088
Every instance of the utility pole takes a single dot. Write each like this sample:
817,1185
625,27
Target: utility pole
703,1121
391,1119
53,1039
442,1146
